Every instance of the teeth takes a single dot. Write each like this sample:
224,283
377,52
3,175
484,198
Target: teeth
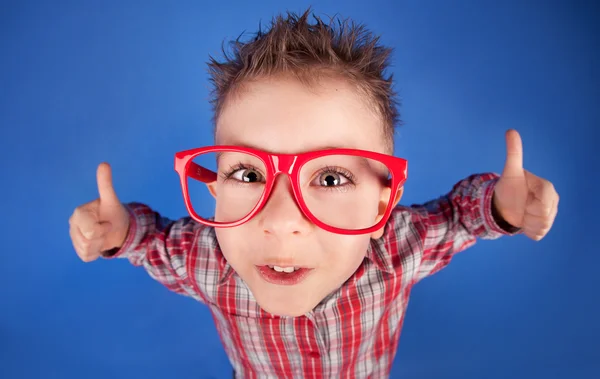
284,269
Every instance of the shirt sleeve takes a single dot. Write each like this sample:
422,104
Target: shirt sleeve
160,245
453,222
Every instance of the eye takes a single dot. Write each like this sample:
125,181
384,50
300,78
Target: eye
332,179
247,175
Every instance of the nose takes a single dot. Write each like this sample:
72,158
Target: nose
281,216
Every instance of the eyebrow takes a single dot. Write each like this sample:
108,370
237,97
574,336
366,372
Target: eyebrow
334,147
326,147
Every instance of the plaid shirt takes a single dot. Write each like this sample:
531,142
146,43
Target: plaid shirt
354,332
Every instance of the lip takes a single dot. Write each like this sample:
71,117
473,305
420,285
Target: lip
283,278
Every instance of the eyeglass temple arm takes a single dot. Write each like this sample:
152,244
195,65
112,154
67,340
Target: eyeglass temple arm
201,174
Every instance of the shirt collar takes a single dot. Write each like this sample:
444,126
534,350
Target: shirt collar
379,251
226,268
378,255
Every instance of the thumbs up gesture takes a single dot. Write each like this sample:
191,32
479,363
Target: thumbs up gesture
523,199
101,224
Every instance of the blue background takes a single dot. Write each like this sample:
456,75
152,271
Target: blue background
125,82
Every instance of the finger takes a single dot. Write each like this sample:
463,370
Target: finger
537,231
534,234
513,166
536,207
105,184
80,243
537,227
98,230
86,220
537,222
76,239
86,249
542,189
554,212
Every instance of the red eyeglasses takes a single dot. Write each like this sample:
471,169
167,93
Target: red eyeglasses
344,191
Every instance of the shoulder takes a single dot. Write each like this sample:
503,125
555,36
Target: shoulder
206,265
407,221
399,249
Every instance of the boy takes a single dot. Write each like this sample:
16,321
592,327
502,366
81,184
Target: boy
308,262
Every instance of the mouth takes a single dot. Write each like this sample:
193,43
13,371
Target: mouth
286,276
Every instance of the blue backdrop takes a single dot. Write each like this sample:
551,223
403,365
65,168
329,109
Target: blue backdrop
125,82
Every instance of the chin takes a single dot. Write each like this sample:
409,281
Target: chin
285,308
285,311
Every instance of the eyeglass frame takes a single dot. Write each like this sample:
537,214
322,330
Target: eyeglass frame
289,165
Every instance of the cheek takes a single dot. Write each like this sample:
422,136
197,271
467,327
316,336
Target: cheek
344,255
234,246
352,210
364,211
234,202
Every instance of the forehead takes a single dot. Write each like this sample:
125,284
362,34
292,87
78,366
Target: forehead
286,116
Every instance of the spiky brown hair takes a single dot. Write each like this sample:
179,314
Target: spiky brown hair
292,47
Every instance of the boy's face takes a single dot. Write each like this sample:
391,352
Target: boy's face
284,116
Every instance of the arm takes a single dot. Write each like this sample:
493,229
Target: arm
453,222
160,245
180,254
422,239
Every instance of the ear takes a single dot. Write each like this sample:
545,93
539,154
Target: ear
383,202
212,188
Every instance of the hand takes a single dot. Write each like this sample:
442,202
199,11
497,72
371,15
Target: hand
522,199
101,224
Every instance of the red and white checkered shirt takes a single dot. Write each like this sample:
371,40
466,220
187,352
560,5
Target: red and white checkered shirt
354,332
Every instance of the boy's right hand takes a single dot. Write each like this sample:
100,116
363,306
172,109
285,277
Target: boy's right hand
101,224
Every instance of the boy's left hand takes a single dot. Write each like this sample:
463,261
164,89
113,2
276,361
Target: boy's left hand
522,199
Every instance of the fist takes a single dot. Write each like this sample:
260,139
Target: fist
523,199
101,224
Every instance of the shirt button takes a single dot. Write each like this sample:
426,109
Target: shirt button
314,355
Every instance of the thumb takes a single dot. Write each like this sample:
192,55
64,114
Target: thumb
105,185
513,165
